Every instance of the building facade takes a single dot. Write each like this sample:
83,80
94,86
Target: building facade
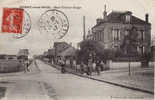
114,27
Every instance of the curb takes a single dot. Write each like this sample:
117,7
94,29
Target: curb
105,81
129,87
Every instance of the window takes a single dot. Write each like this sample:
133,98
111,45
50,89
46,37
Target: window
143,51
100,36
138,49
116,34
127,18
126,32
141,35
95,37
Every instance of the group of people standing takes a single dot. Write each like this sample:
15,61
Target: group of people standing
89,68
92,66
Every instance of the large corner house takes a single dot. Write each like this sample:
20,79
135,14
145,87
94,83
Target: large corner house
111,30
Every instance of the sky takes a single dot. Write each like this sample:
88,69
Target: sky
38,42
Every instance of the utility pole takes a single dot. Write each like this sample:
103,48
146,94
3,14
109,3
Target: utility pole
84,31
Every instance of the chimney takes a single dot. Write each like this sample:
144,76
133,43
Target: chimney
146,18
84,31
98,20
105,13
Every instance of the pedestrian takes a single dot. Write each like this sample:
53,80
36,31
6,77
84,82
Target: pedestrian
71,62
89,67
98,66
74,64
94,66
78,68
102,65
82,68
26,65
35,63
23,64
62,66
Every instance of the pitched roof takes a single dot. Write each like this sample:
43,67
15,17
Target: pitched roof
68,52
117,17
136,20
61,46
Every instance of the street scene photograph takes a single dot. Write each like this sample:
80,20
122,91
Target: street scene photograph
77,49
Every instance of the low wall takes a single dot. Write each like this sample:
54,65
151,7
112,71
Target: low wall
118,65
7,66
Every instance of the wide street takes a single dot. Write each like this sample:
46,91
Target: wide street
47,83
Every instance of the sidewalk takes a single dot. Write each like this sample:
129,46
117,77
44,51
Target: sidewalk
141,79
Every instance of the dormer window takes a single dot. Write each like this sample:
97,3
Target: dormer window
127,18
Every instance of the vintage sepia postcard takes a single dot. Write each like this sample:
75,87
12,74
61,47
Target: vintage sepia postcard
77,49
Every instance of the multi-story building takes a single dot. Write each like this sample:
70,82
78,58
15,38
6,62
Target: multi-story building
112,29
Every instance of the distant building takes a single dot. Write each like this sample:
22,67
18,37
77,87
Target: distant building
51,52
69,52
23,53
62,50
60,46
111,30
9,57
